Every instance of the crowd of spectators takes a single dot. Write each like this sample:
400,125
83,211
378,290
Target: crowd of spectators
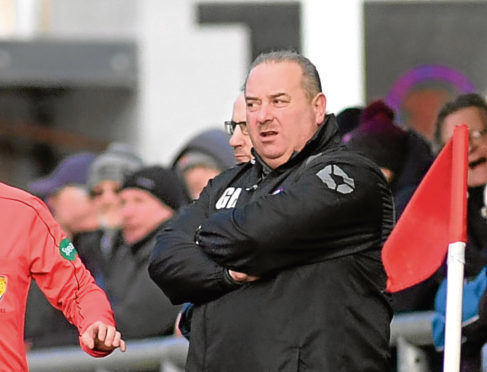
113,205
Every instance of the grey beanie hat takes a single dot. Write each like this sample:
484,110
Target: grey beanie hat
114,164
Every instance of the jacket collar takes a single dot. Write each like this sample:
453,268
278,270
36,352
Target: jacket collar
326,137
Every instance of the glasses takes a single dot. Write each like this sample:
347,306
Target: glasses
97,192
231,125
476,134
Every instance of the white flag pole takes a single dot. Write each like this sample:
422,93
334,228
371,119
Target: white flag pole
454,293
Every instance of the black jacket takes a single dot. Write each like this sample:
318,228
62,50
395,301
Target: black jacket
312,230
140,309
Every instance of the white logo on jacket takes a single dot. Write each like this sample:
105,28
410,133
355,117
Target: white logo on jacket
346,184
229,198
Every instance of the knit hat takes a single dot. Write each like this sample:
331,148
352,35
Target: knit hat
192,159
160,182
114,164
379,138
348,119
210,148
71,170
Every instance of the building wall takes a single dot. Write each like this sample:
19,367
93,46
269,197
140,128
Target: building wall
189,75
191,62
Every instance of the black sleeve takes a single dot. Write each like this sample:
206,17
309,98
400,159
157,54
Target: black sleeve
331,208
180,267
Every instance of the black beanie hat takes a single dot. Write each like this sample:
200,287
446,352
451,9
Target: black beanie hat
160,182
348,119
379,138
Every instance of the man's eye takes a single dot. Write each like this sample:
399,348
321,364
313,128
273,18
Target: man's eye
279,101
251,105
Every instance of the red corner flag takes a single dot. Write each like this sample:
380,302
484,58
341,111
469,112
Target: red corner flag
435,216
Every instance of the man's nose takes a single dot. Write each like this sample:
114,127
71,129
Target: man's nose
235,139
265,113
126,211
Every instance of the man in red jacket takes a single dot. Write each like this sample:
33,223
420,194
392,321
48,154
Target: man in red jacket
34,247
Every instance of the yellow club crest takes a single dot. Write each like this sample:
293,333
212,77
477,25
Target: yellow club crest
3,285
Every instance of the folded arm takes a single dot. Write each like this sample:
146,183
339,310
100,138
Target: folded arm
307,221
180,267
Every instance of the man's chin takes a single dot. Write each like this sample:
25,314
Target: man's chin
241,159
477,176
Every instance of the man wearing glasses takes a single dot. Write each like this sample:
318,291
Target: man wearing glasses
237,129
471,109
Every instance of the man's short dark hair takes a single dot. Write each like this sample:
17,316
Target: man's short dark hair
460,102
311,78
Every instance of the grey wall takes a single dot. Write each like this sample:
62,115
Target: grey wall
401,35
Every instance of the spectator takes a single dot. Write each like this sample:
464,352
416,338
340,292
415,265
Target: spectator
381,140
34,246
65,193
404,157
201,159
105,178
150,197
73,209
471,109
419,158
277,255
348,119
237,129
72,170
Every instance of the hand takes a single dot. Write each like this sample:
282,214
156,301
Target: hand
102,337
242,277
177,331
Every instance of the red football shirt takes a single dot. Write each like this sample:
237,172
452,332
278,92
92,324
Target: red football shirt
33,246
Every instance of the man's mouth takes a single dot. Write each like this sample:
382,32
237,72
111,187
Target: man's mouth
477,162
268,133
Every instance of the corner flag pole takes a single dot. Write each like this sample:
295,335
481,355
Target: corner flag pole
456,251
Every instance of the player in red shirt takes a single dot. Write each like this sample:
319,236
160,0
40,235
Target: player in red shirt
33,246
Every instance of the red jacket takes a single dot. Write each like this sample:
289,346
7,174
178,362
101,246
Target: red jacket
33,246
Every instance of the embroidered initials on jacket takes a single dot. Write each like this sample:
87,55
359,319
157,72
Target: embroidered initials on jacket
229,198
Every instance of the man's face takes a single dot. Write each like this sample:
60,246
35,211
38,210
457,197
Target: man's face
106,200
197,178
239,141
477,151
142,212
71,206
280,117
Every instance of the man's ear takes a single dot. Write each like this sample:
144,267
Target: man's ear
319,106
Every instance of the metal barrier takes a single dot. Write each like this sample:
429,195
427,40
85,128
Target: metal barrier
168,354
408,333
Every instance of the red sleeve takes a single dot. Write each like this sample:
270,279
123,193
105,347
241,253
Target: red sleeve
59,272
